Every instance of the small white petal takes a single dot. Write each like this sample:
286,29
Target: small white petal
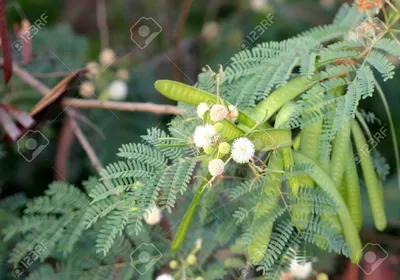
204,136
233,113
154,217
118,90
242,150
301,271
202,109
216,167
218,113
165,277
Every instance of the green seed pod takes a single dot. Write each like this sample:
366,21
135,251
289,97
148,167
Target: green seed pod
188,94
271,189
340,154
371,181
185,223
324,181
352,184
284,114
282,95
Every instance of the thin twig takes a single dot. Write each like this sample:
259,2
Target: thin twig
65,140
85,145
101,14
60,74
121,106
43,89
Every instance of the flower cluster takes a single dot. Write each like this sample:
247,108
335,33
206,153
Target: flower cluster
207,137
372,6
115,88
218,112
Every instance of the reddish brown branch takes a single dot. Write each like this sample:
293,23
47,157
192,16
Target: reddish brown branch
43,89
65,140
121,106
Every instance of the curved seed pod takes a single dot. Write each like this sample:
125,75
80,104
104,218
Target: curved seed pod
271,189
322,179
288,164
230,131
301,210
310,140
279,97
353,197
297,142
188,94
284,114
371,180
340,154
185,223
268,139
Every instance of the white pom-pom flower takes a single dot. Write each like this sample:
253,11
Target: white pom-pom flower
118,90
216,167
107,56
154,217
204,136
233,113
165,277
242,150
218,113
301,271
202,109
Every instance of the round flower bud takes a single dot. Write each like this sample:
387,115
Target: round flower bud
86,89
218,112
123,74
117,90
154,217
218,127
322,276
202,108
208,150
93,69
107,56
242,150
258,5
191,259
210,31
224,148
165,277
173,264
216,167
